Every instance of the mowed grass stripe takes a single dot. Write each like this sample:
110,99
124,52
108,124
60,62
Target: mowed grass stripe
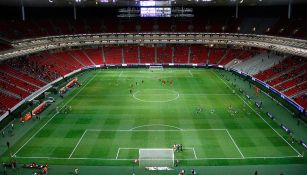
106,104
216,143
52,118
299,154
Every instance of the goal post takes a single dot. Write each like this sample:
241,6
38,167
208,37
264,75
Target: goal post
152,68
156,157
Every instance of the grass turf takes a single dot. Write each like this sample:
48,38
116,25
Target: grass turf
108,124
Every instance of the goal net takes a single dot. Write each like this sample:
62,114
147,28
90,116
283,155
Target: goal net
155,67
156,157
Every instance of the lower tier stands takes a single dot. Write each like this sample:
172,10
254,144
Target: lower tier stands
6,102
280,67
302,100
147,54
258,63
181,54
22,76
164,54
131,54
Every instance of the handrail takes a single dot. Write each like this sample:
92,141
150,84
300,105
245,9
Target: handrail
30,46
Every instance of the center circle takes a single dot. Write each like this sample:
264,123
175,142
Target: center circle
156,95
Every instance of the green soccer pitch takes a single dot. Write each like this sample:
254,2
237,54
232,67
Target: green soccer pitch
117,112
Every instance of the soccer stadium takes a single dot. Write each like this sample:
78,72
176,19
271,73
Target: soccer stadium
163,87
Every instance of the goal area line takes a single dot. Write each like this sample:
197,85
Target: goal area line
185,148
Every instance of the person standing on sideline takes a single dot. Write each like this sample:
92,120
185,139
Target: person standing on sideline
4,170
12,126
8,144
193,171
76,171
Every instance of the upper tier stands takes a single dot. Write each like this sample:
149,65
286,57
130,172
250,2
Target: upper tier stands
16,29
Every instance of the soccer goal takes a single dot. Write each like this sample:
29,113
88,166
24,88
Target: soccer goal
153,68
156,157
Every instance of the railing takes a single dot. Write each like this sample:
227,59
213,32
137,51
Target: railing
29,46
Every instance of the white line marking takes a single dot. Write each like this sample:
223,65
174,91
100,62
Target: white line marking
120,75
194,153
235,143
117,153
261,117
191,73
125,95
77,144
203,158
157,101
52,117
156,125
158,130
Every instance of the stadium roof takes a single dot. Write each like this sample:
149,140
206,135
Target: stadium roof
50,3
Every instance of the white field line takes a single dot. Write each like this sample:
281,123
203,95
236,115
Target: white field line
118,150
53,116
77,144
235,143
191,73
187,94
194,153
208,158
261,117
170,126
158,130
120,75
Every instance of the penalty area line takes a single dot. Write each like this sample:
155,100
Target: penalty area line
191,73
235,143
194,153
118,150
77,144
